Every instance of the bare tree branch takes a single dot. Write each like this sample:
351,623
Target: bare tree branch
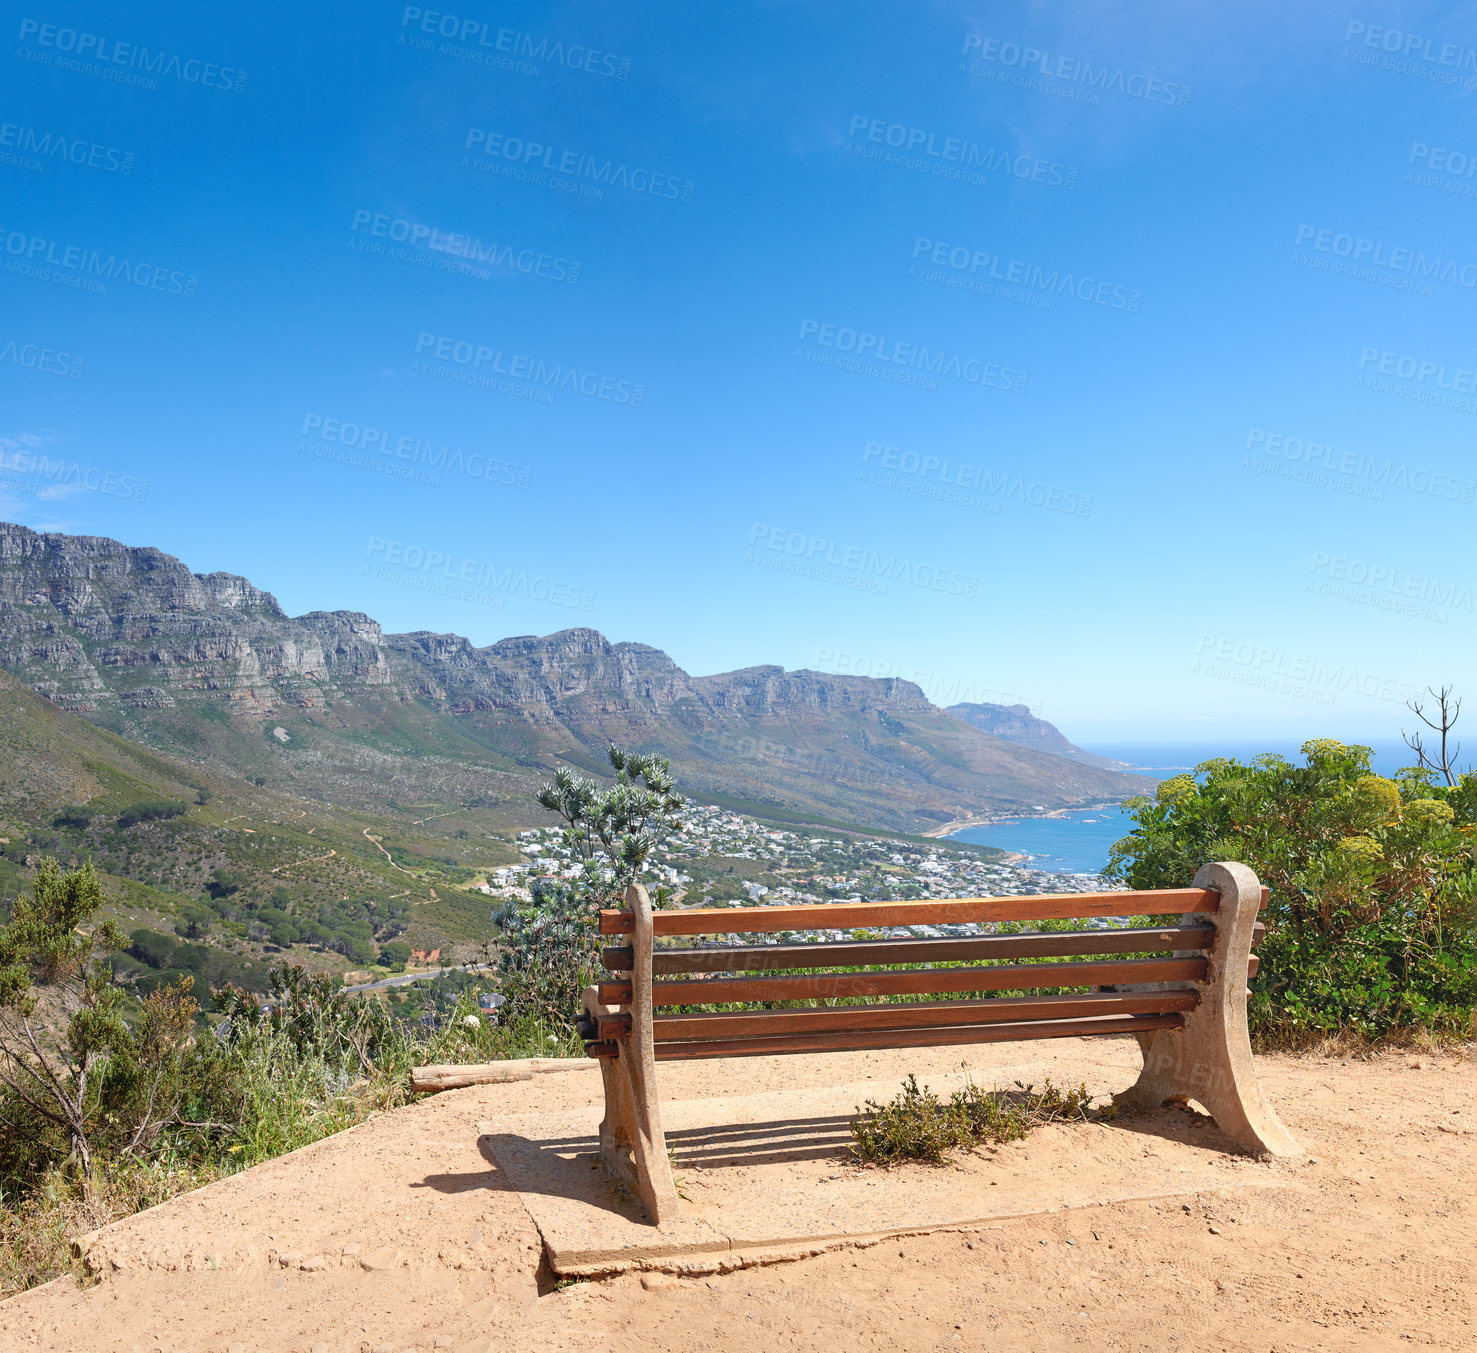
1448,709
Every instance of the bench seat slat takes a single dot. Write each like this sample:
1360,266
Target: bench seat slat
924,911
914,1038
924,1014
912,981
864,953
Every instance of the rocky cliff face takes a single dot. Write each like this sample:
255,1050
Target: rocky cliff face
92,623
324,703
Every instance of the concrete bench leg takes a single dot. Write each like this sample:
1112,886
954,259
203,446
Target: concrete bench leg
1209,1060
632,1143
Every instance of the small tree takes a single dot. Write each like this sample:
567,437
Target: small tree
551,945
395,955
97,1078
1443,761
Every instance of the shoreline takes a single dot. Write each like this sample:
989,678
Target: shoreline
963,823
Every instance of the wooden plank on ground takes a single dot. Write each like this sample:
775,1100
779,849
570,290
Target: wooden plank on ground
914,1038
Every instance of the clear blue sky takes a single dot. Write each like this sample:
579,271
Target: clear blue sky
1109,274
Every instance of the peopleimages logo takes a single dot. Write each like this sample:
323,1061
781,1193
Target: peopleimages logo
950,156
387,448
1426,380
1419,369
959,482
974,270
1410,54
504,47
901,360
1388,587
819,554
35,357
75,150
507,153
75,265
62,478
443,574
1404,259
1368,471
464,254
1072,70
1318,680
481,363
119,61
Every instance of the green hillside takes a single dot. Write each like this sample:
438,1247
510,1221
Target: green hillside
239,873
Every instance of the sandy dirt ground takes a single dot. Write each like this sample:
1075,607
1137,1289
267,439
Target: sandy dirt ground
401,1234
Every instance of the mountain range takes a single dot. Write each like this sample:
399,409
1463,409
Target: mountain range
325,705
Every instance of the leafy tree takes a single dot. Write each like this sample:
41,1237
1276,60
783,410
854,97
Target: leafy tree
149,946
197,921
224,882
613,832
395,955
97,1080
1373,887
551,945
149,810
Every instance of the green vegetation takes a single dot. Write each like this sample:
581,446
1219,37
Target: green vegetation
917,1125
110,1102
1370,923
395,955
551,948
149,810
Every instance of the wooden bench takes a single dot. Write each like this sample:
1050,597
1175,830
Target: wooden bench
1186,1004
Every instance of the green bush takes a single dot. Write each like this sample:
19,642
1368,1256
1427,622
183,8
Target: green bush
149,946
1370,922
550,947
917,1125
149,810
395,955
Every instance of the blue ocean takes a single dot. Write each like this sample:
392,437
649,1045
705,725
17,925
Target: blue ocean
1078,842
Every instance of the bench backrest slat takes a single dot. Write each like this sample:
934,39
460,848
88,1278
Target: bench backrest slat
912,981
925,911
864,953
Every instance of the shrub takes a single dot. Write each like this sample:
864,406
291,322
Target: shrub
100,1085
224,882
149,810
149,946
917,1125
1370,922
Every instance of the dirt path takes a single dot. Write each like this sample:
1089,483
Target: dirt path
401,1234
307,860
375,842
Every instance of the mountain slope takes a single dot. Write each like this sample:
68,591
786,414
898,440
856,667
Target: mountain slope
327,706
1016,723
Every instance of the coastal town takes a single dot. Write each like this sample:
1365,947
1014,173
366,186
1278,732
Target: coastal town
724,858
